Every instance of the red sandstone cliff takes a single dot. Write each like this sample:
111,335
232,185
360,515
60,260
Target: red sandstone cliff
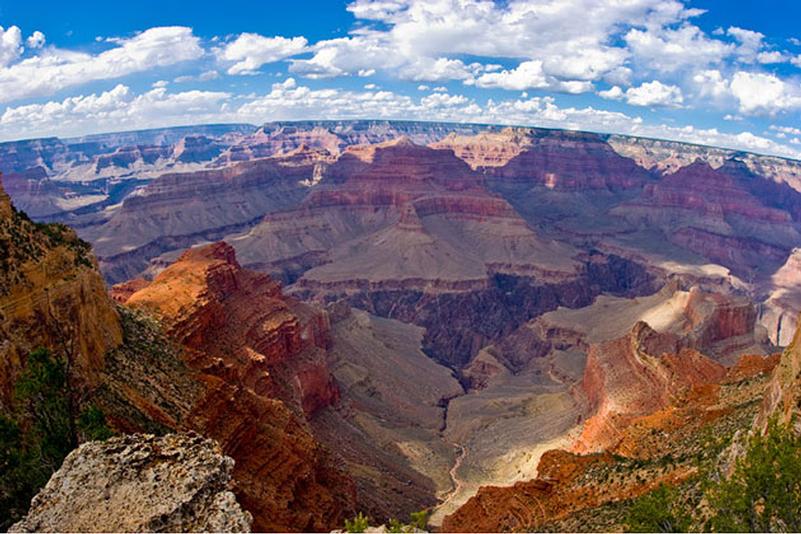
257,366
51,295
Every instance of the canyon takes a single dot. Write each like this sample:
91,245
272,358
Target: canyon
509,327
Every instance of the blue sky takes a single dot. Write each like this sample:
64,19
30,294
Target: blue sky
720,72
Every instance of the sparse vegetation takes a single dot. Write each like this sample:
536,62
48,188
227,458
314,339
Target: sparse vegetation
357,524
44,429
657,511
420,519
763,493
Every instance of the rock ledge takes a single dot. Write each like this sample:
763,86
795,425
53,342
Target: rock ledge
140,482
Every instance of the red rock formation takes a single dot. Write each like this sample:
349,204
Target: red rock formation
571,161
783,398
50,296
239,320
127,156
709,192
177,210
196,148
122,292
487,149
258,366
558,491
630,376
743,255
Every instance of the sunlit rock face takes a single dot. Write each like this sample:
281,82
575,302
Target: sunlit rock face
50,295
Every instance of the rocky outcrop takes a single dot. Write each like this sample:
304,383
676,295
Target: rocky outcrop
635,375
129,156
50,296
237,323
559,490
487,149
459,323
570,161
196,149
140,483
177,210
783,397
248,370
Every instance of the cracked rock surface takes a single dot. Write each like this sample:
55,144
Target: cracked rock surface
140,483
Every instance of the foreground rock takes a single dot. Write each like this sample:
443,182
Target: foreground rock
136,483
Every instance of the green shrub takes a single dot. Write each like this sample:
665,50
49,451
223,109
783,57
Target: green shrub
34,444
764,492
92,424
657,511
357,524
420,519
396,526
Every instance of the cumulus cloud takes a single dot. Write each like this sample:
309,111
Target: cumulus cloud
55,69
36,40
654,93
10,45
668,50
250,51
120,108
760,93
115,109
527,75
569,40
750,42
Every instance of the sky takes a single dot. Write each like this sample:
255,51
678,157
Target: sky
717,72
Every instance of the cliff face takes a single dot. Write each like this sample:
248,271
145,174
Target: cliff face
140,483
783,398
633,376
51,295
177,210
253,370
571,161
238,325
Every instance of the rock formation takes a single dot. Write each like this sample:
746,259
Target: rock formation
52,296
255,370
238,324
140,483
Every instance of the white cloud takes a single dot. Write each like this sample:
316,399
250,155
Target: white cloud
613,93
250,51
653,93
204,76
527,75
437,100
439,69
759,93
36,40
346,56
750,42
711,84
669,50
568,40
785,129
768,58
10,45
120,109
55,69
116,109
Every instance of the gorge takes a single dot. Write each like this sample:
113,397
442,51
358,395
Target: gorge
512,328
